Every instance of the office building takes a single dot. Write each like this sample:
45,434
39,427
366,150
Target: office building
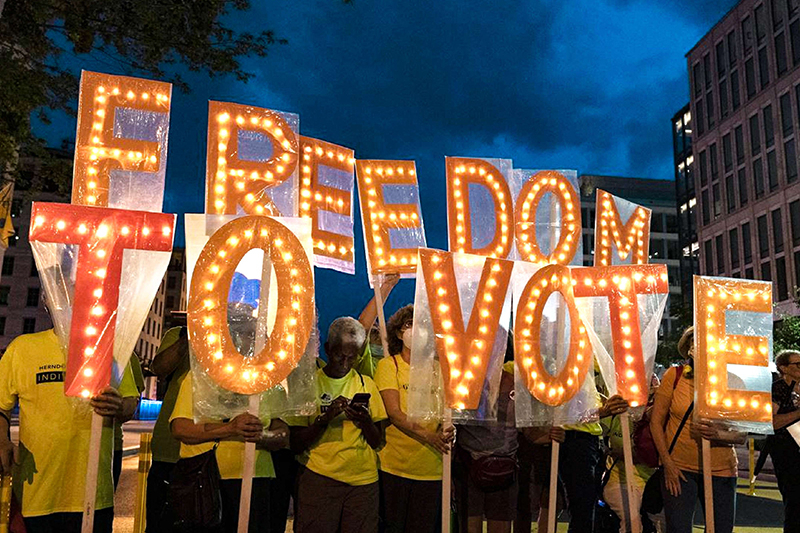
745,98
686,201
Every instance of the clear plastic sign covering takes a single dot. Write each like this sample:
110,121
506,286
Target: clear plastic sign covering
732,343
461,317
547,216
480,208
101,269
252,161
620,226
621,307
391,215
245,340
326,197
121,142
554,379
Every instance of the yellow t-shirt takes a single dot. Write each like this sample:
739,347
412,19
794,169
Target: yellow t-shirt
688,450
165,447
230,453
54,430
342,452
404,456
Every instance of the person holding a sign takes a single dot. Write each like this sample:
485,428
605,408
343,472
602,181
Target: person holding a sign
337,489
228,439
682,481
411,461
49,467
784,444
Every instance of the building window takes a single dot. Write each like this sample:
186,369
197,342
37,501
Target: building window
781,61
761,24
5,290
710,109
28,325
790,157
723,99
787,119
733,244
717,200
736,98
794,220
706,208
758,177
747,34
732,47
698,116
794,37
729,189
777,14
707,70
727,152
713,161
672,224
797,269
763,67
34,271
772,170
2,325
709,257
172,281
721,63
657,223
32,299
720,255
738,136
672,250
777,231
750,77
763,237
742,187
793,6
747,246
703,169
698,80
8,265
755,136
780,278
766,271
769,128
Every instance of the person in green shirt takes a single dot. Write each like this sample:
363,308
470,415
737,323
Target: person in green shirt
170,365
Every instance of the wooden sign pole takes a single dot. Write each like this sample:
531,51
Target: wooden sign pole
92,467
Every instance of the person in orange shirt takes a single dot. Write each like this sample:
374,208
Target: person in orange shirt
678,441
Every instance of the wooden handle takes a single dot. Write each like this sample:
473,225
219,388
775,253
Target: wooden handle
92,467
381,316
447,469
634,518
553,503
708,487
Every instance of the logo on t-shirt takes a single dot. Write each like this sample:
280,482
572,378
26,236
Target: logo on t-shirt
50,374
325,402
50,377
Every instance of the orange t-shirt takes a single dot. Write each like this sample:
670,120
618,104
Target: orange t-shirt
688,451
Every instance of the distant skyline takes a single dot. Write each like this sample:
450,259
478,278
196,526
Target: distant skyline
579,85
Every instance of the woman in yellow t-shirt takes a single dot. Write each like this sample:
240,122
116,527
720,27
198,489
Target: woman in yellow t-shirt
411,460
197,438
682,483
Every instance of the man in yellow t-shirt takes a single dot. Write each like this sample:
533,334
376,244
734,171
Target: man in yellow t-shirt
338,486
411,461
50,464
198,438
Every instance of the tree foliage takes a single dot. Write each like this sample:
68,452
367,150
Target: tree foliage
39,38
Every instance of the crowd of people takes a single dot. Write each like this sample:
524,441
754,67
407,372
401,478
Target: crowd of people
361,464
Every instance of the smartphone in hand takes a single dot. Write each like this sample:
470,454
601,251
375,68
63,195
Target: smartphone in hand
361,399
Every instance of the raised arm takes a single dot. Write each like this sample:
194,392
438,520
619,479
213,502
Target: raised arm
370,313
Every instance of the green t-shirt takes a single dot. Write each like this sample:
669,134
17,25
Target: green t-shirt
165,447
134,368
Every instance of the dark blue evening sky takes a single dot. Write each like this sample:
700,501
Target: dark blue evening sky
589,85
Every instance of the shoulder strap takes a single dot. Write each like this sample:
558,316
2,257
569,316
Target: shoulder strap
678,374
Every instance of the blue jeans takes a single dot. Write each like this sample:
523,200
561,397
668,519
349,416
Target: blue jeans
577,467
679,510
